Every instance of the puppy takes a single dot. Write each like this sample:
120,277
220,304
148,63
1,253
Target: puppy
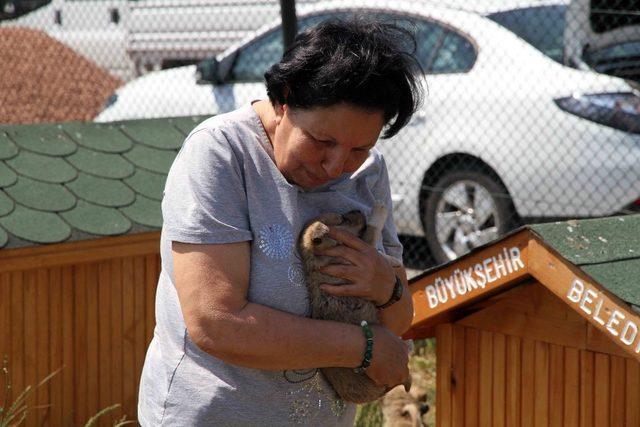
350,386
405,409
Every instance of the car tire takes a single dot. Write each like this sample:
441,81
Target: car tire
465,209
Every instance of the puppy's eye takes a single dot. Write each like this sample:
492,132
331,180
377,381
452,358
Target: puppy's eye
316,240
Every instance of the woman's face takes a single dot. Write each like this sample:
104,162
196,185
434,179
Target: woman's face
315,146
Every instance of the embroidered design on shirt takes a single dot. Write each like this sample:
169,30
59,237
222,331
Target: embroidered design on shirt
296,274
313,391
275,241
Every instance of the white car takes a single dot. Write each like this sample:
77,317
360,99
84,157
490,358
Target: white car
507,133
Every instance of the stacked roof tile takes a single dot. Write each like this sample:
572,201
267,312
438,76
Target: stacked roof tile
74,181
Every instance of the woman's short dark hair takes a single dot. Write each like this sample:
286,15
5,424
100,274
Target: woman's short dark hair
367,63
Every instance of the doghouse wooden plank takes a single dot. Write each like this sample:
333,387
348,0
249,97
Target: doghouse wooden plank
571,387
117,357
617,397
43,346
513,382
444,356
598,342
56,361
140,340
16,361
632,393
556,385
93,339
471,375
586,388
104,332
541,384
528,389
151,281
128,323
5,324
527,325
458,385
485,385
601,387
499,379
30,342
80,344
68,344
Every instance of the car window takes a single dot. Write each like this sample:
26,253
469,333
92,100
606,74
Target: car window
456,55
254,60
608,15
428,35
526,23
621,60
11,9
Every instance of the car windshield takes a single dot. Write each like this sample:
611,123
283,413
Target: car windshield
620,60
527,22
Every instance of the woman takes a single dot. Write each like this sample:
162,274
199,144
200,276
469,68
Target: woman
232,345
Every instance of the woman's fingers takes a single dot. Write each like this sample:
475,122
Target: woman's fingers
343,252
342,290
348,239
341,271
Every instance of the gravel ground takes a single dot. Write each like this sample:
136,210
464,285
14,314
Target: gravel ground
43,80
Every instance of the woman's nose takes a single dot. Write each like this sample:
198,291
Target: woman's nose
333,163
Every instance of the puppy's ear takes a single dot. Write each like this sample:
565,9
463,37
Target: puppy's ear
318,232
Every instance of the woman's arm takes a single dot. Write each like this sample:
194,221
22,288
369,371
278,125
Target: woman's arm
212,283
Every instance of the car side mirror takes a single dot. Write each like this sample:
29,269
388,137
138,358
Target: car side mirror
207,72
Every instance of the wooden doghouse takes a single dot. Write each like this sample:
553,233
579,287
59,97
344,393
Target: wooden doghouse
539,328
79,261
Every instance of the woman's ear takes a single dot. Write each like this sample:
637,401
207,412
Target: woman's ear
279,111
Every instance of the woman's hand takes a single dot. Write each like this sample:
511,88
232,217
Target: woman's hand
389,364
369,273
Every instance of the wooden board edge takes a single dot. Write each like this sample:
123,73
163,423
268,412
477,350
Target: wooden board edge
466,281
602,309
79,251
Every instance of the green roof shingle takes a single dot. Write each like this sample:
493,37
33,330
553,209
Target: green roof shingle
42,139
41,196
100,137
69,181
607,249
7,148
42,167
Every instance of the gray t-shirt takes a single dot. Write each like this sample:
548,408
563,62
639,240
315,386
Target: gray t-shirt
224,187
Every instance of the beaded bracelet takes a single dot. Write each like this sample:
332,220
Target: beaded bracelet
368,352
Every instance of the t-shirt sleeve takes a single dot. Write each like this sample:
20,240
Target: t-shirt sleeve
382,192
205,198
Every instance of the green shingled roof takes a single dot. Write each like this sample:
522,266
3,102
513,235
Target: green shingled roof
73,181
607,249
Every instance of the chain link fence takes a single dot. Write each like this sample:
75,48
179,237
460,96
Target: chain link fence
531,112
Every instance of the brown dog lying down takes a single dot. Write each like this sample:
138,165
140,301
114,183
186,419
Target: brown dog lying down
405,409
350,386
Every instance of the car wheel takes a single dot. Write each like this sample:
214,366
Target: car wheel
466,209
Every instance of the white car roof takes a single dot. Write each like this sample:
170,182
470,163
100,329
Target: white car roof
471,23
485,7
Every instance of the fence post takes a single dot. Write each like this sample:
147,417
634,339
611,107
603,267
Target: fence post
289,21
